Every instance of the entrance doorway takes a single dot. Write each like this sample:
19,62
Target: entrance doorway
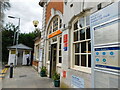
53,59
20,57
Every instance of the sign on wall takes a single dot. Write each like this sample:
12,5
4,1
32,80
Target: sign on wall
104,25
55,33
64,74
65,42
77,82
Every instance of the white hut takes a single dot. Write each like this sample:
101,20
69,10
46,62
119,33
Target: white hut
21,57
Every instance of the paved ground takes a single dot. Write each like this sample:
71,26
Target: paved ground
0,84
26,77
0,74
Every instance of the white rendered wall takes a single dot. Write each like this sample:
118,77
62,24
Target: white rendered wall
11,58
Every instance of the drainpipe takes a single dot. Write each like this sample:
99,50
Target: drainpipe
83,6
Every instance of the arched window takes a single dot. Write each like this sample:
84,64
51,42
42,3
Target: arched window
81,42
55,24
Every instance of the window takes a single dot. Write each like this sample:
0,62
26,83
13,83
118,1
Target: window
50,29
54,39
82,42
55,25
60,51
13,51
60,23
26,52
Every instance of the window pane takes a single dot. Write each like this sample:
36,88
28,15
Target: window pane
59,52
56,28
87,20
53,29
89,46
89,60
77,59
49,56
60,20
55,24
83,47
83,60
81,22
59,46
54,39
82,34
76,36
77,48
13,52
88,33
60,23
76,26
60,39
60,59
50,32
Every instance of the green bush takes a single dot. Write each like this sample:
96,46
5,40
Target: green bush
43,69
56,76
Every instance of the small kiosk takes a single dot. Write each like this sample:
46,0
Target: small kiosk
19,57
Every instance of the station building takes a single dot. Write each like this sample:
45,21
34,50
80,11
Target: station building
66,42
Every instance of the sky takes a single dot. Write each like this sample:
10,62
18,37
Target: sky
27,11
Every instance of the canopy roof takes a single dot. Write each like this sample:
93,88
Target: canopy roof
20,46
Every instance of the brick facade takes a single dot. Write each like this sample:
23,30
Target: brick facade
56,5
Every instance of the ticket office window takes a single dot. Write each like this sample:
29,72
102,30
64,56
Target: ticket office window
82,42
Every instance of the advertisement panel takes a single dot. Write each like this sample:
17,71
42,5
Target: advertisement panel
104,27
77,82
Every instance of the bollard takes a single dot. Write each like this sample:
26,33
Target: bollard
11,70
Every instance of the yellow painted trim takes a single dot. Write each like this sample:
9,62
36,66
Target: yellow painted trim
2,75
4,70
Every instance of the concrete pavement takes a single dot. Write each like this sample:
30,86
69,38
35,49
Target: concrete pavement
26,77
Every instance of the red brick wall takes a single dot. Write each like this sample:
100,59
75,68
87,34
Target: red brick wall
53,4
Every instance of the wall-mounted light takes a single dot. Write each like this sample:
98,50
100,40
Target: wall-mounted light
65,1
35,23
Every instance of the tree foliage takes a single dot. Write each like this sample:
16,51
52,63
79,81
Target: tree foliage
4,5
7,40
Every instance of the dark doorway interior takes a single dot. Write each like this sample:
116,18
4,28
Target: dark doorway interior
53,59
20,57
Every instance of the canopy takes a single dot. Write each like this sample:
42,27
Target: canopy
20,47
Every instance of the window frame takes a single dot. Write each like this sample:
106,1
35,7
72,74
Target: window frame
73,66
59,26
49,43
55,25
59,49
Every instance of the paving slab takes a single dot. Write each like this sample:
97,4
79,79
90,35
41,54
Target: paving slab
26,77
